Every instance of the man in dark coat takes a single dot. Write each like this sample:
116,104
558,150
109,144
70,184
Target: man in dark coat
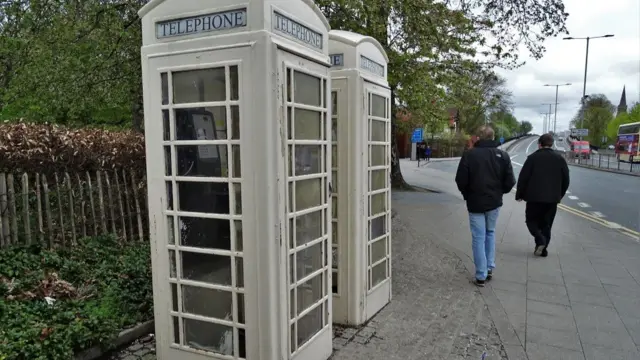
484,175
543,182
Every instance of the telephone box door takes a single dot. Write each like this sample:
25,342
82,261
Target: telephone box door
199,259
377,198
306,132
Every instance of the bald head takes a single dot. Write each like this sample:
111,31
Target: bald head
485,132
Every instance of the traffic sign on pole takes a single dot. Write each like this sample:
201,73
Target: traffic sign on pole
417,135
501,140
579,132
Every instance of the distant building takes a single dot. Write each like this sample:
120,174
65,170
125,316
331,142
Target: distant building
622,107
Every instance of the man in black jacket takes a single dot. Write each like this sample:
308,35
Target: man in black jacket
484,175
543,182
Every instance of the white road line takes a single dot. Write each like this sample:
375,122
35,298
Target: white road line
583,205
534,141
572,197
568,192
597,214
515,163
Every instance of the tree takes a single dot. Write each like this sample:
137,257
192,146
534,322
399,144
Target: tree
623,118
430,44
525,127
595,115
485,93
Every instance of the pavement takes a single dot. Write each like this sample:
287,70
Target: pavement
581,302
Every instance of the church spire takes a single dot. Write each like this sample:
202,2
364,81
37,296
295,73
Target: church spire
622,107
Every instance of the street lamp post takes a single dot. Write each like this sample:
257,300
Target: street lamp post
548,120
586,61
555,112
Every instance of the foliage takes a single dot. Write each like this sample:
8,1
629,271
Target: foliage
624,118
525,127
46,148
100,287
71,62
594,114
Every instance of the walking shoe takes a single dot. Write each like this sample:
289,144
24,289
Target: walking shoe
478,282
539,250
489,274
544,253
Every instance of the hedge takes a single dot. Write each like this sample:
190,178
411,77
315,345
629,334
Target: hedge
46,148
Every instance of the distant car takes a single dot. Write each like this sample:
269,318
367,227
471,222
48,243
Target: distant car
611,147
561,139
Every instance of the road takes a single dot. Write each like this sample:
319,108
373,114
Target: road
612,197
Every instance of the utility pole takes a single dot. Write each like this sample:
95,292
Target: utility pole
555,112
586,61
548,124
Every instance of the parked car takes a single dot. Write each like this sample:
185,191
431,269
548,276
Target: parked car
611,147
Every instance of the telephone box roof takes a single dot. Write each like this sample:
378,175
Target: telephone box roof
154,3
354,39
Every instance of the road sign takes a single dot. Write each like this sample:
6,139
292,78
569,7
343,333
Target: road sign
579,132
502,140
417,135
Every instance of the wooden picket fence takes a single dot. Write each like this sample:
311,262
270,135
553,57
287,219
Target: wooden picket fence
57,209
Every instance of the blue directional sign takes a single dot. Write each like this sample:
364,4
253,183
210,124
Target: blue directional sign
417,135
502,140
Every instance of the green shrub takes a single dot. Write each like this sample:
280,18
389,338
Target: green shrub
100,287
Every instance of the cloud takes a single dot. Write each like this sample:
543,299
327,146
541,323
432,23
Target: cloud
612,64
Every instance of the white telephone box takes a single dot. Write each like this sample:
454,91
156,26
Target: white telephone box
361,124
238,139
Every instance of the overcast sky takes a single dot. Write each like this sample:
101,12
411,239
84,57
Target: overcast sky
613,62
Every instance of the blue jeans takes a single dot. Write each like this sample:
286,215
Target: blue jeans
483,233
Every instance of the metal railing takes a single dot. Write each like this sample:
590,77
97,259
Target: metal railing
602,161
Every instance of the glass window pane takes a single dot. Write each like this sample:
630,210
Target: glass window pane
164,85
170,230
207,268
237,192
378,250
176,330
169,192
237,165
378,227
334,282
308,194
309,293
239,241
334,257
209,337
172,265
167,161
207,302
378,273
378,203
166,125
334,156
289,86
235,122
241,307
308,227
334,103
334,232
378,179
201,123
239,272
289,123
307,89
308,260
308,125
334,180
378,155
308,159
378,106
205,233
334,129
309,325
210,198
334,209
199,86
202,160
378,130
234,82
